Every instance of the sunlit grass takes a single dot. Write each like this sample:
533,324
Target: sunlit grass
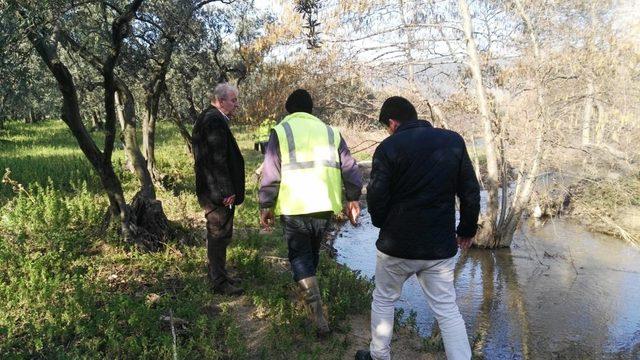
71,289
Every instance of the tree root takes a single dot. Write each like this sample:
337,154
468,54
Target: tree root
148,225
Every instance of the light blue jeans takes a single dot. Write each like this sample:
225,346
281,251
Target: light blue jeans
436,279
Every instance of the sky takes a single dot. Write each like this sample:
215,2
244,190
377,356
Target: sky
627,20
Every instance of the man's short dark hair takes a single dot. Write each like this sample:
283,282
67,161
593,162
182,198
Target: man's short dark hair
299,101
397,108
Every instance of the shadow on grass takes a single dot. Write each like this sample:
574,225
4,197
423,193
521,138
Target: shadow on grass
85,299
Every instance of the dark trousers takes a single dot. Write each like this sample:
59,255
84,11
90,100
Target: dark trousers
304,234
219,231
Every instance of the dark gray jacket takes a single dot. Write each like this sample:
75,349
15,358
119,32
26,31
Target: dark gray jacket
219,164
270,184
416,175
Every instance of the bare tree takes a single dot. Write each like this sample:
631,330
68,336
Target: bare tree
486,237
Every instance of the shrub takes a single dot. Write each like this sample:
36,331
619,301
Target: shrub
36,213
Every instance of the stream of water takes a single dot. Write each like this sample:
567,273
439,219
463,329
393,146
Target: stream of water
558,292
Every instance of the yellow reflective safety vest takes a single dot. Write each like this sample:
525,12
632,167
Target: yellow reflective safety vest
311,180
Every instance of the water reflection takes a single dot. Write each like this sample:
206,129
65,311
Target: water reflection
559,292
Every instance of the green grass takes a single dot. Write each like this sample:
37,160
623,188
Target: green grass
70,289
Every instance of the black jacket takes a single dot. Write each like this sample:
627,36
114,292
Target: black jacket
416,174
219,164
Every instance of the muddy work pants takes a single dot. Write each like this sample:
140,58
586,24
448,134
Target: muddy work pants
303,234
219,231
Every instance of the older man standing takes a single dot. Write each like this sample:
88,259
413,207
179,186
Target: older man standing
219,168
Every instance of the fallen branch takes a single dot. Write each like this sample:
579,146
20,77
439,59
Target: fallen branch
173,334
365,148
624,234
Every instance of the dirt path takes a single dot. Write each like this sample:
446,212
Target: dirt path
404,346
254,327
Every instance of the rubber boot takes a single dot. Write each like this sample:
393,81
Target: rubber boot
314,304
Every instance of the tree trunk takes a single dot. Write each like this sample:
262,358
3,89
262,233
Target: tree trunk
486,236
71,116
601,124
148,224
143,226
131,143
524,187
192,110
587,114
128,163
154,89
179,121
476,160
409,45
119,111
97,122
94,121
3,114
152,100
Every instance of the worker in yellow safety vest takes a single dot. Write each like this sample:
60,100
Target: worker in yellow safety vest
307,164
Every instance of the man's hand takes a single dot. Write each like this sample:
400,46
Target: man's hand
267,219
464,242
353,211
229,200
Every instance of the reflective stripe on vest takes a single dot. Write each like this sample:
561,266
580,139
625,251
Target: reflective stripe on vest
294,164
311,180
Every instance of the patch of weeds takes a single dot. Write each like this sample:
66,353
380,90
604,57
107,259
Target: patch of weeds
409,322
433,343
69,291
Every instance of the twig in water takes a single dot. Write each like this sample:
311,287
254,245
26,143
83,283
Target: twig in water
572,262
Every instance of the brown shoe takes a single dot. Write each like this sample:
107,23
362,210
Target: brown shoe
226,288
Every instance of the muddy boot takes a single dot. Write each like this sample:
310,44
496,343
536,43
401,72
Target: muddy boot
314,304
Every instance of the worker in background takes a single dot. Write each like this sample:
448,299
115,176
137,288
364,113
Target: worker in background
262,135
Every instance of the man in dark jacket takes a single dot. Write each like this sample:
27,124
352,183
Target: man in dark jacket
416,174
219,168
